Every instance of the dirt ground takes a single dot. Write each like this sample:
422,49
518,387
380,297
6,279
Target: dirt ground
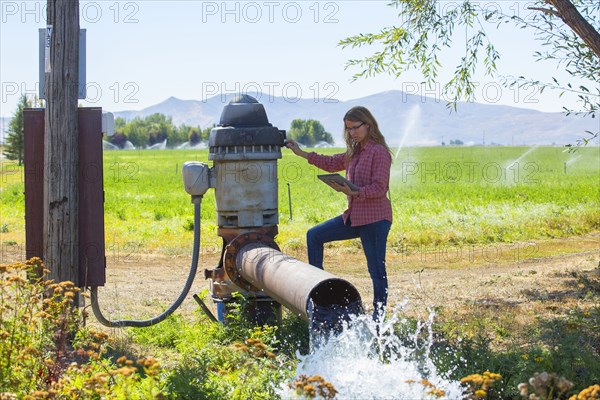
542,277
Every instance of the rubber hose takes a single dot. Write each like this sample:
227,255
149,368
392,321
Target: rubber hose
182,295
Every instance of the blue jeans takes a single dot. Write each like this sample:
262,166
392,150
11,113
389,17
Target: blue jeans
373,238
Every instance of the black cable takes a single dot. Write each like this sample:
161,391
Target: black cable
197,200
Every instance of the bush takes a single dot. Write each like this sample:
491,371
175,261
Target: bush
46,353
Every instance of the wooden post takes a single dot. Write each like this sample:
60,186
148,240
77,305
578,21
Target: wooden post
61,199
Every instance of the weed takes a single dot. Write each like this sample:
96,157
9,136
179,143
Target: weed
311,386
188,224
545,386
121,215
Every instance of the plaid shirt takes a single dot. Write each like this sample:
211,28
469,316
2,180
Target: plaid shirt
370,170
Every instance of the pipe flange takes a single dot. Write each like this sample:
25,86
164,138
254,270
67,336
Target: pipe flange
231,251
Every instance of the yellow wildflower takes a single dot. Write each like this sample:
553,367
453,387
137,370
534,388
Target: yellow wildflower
589,393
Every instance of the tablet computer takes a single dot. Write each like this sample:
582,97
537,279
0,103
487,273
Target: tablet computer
328,178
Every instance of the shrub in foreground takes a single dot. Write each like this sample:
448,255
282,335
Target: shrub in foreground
46,353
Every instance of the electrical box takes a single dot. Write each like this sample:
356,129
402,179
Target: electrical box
92,259
108,124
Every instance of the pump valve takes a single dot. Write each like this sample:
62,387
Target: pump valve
196,178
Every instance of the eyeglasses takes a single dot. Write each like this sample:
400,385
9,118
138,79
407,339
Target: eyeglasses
353,128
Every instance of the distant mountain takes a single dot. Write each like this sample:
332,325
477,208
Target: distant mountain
403,118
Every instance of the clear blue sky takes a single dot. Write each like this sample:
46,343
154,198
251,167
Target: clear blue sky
141,52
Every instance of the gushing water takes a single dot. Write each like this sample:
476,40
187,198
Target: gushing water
413,116
368,360
109,146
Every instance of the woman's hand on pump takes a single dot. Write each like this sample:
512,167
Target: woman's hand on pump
295,148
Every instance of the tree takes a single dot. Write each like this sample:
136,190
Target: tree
180,135
135,131
567,29
151,130
119,140
194,136
14,139
309,132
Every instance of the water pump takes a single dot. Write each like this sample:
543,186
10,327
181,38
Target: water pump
244,148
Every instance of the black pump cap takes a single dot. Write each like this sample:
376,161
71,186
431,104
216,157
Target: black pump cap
244,110
244,123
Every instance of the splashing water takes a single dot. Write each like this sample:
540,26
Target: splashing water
330,319
413,117
368,360
109,146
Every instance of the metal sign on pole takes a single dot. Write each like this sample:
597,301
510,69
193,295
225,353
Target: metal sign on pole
44,38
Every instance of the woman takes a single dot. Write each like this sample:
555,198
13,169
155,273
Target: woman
367,162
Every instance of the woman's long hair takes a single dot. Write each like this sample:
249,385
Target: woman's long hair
362,114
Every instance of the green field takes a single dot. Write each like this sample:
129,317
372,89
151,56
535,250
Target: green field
449,195
441,196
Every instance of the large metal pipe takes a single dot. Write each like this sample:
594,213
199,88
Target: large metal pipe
301,287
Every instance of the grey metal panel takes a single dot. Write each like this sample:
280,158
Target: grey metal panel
82,89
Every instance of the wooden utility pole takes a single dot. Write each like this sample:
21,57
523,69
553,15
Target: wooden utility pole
61,199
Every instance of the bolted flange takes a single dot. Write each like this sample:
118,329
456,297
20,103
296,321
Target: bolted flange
231,251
